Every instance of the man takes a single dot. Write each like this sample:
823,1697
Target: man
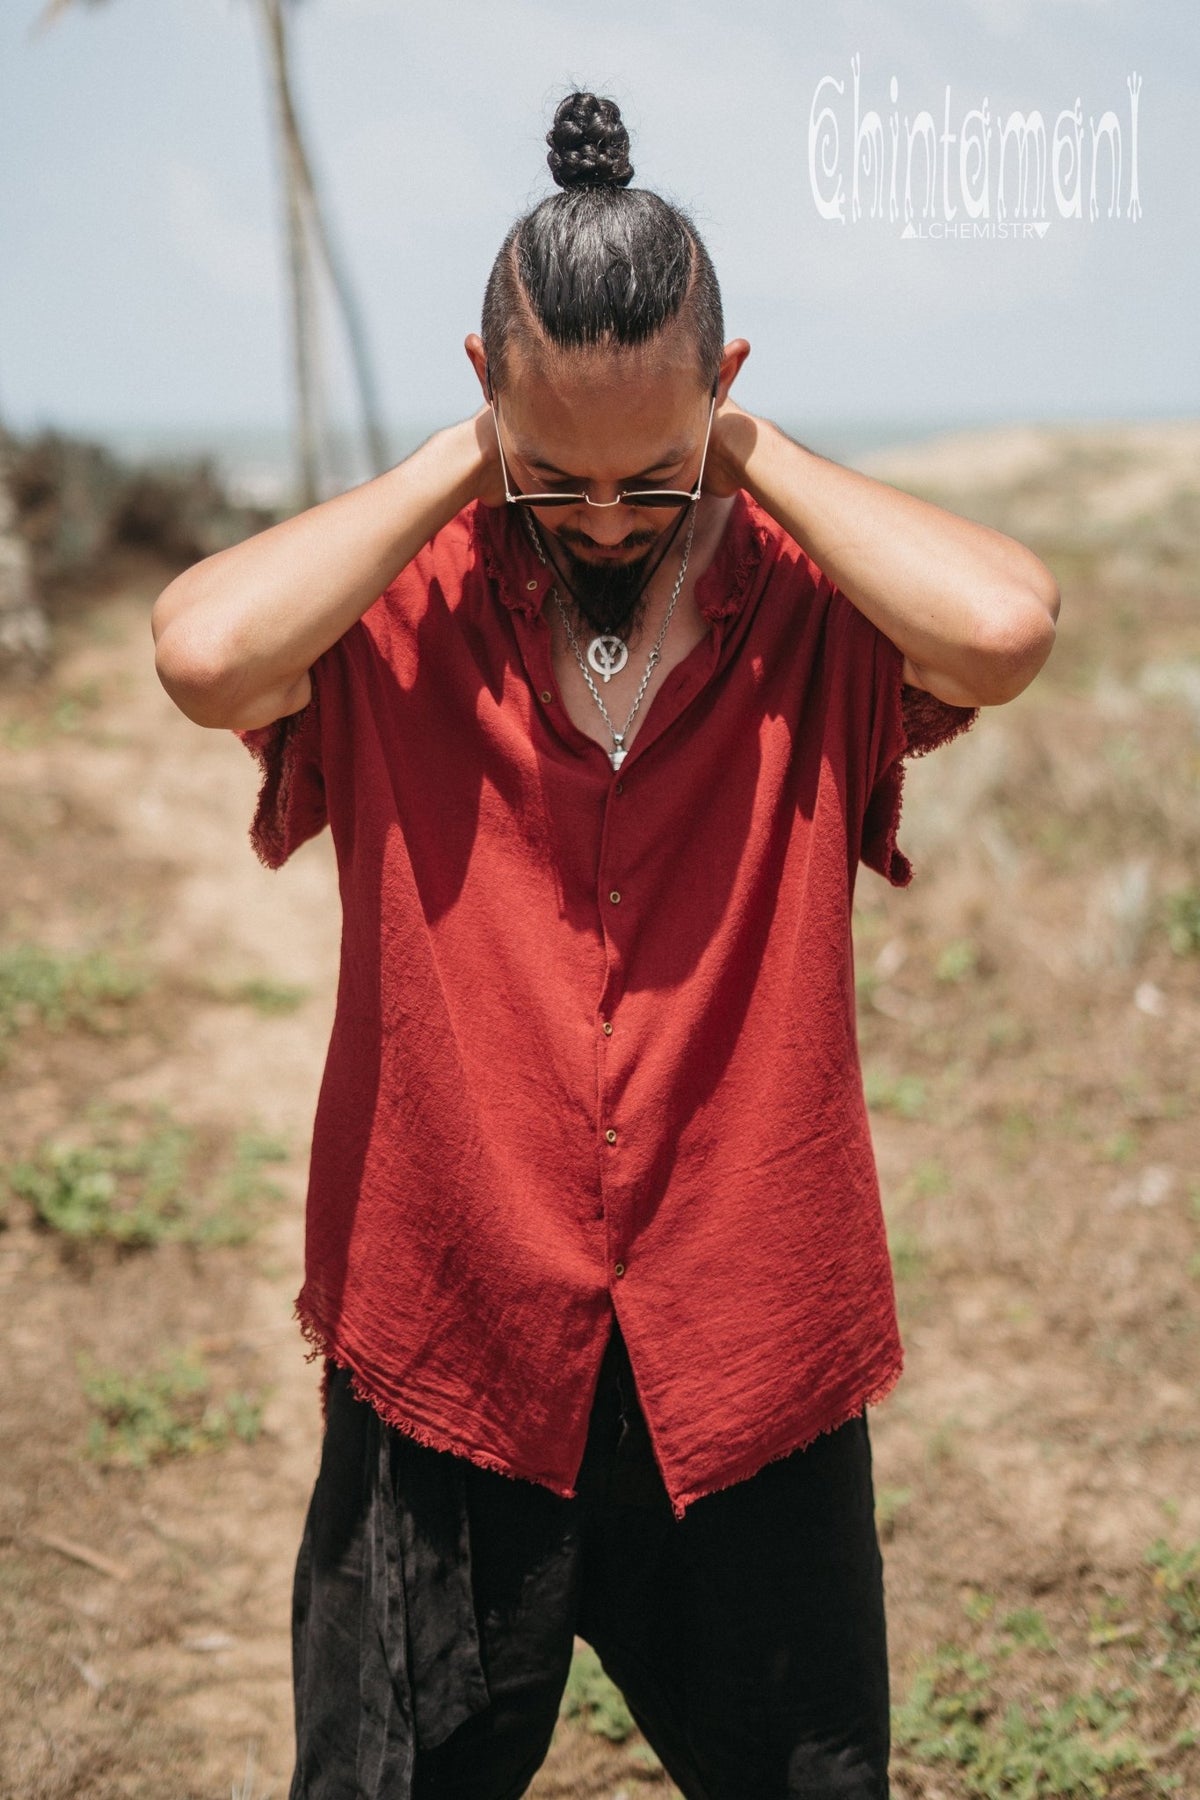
604,694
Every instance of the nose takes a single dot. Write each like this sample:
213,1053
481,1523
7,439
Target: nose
606,525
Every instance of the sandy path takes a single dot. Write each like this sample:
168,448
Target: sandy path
181,797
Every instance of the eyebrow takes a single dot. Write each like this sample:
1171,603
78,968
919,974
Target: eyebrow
672,458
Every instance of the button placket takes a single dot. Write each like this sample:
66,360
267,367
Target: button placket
614,1204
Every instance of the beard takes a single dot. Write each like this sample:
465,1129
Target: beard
610,597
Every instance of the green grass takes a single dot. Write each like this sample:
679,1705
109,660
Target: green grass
596,1704
890,1502
909,1255
1031,1750
265,996
146,1190
593,1699
865,982
164,1412
1027,1626
1121,1147
71,712
1015,1134
1177,1580
1120,1734
930,1179
62,989
1110,1623
1004,1032
958,961
903,1095
241,1187
1183,921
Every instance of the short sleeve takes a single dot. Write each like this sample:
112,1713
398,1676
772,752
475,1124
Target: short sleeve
907,721
290,807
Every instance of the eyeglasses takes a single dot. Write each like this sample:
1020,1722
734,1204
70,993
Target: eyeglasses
653,497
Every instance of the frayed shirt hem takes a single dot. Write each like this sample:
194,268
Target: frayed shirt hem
751,1464
324,1343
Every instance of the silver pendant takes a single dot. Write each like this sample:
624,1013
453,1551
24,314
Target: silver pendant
617,756
608,655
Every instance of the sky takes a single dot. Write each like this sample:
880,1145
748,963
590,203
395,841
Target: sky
141,263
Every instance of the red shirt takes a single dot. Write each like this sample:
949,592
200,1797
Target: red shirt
594,1046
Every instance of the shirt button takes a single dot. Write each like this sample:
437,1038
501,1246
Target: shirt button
620,787
608,1027
611,1135
614,897
620,1269
531,585
546,694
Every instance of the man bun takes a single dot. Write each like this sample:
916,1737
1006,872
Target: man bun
589,146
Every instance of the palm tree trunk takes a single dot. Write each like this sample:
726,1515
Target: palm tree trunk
356,335
378,458
304,319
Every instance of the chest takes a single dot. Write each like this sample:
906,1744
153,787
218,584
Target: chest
688,628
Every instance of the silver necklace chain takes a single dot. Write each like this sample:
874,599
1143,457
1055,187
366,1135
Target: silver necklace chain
617,753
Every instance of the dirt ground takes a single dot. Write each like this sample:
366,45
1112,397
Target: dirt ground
1029,1020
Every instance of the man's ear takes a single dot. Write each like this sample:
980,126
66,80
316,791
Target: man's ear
732,357
473,346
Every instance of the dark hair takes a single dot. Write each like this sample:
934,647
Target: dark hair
600,263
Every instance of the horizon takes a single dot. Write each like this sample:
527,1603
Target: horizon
255,460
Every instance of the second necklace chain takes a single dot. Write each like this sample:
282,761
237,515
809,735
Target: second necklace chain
599,644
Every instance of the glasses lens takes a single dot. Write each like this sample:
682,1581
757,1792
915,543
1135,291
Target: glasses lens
540,500
657,497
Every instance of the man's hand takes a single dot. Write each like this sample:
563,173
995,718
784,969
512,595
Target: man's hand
489,479
734,435
972,610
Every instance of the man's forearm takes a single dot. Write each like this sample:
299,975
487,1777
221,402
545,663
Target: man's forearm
236,633
973,611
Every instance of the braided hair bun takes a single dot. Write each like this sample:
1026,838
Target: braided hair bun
589,146
600,264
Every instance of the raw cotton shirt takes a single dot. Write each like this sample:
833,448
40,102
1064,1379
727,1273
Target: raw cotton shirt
594,1045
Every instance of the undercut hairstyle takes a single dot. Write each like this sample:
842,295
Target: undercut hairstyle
601,263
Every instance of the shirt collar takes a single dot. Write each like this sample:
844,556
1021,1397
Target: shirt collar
512,562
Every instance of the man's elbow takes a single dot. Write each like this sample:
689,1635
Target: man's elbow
217,689
186,674
203,676
200,688
1017,648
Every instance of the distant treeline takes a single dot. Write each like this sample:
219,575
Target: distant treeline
78,504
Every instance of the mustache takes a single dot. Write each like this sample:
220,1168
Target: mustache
637,540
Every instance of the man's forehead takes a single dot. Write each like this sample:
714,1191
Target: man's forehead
589,375
645,413
588,449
